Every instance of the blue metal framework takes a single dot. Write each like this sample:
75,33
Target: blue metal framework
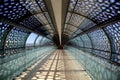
19,18
90,25
103,42
97,24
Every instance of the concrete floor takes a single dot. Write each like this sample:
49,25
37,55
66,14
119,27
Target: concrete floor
59,66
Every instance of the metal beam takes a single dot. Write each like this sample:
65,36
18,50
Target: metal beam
35,40
26,40
43,14
71,25
49,8
82,16
65,5
110,42
37,27
10,22
57,9
6,33
32,14
69,29
99,26
70,15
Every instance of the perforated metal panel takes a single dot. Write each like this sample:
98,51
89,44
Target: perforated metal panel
114,33
12,9
99,10
15,41
94,12
101,43
31,14
3,28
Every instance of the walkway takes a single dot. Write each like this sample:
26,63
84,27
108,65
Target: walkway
59,66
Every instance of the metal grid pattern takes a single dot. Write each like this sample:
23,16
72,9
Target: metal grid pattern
86,24
74,42
101,45
13,65
76,19
95,42
12,9
99,68
81,16
32,14
39,11
70,29
78,42
100,40
99,10
16,38
83,42
3,29
94,12
31,22
15,41
76,32
114,34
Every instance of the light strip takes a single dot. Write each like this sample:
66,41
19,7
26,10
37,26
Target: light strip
57,9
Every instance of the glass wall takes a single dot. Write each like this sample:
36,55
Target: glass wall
98,68
13,65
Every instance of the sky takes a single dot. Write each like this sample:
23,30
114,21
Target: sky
31,38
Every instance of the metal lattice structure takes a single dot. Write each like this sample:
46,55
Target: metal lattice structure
89,26
104,42
19,15
99,21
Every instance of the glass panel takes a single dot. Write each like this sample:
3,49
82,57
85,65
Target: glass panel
98,68
31,39
38,41
13,65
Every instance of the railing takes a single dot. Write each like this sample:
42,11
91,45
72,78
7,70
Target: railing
98,68
13,65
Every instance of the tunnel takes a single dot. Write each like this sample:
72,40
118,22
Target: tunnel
59,39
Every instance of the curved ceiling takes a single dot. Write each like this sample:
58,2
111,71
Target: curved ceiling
58,19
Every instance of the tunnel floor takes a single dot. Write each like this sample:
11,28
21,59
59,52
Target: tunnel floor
60,65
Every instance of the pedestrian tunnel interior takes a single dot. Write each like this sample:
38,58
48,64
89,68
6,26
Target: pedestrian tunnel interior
59,39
